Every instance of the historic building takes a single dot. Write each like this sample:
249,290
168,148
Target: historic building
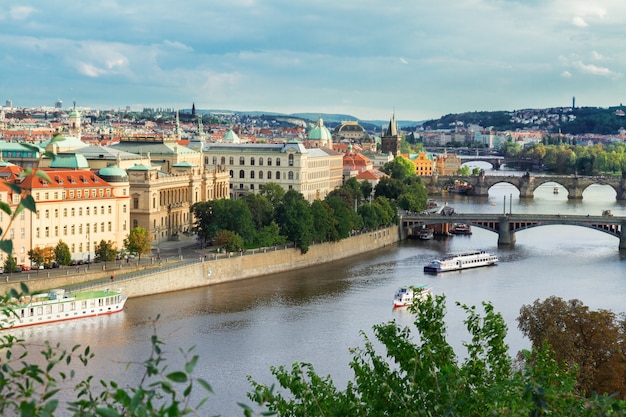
447,164
313,172
319,137
424,163
391,138
75,206
166,182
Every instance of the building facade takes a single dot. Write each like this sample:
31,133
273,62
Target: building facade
312,172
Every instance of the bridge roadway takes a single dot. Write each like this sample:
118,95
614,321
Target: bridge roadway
506,225
526,184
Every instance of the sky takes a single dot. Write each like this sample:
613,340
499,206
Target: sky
417,59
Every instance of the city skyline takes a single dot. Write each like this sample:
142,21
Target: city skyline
419,60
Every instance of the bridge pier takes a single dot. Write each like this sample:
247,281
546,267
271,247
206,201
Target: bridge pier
506,237
622,236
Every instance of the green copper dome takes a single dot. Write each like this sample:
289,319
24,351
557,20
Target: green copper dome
320,132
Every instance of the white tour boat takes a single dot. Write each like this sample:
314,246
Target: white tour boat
460,261
57,305
405,295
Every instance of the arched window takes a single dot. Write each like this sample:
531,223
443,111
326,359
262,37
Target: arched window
223,160
269,162
269,174
277,162
251,175
242,174
261,160
215,160
231,161
252,160
260,175
290,160
232,174
242,160
290,175
277,175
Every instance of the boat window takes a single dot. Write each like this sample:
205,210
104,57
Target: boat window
22,313
39,311
72,306
48,309
83,304
61,308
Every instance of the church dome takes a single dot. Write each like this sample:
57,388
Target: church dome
320,132
113,173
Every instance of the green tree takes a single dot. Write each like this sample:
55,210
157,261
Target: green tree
400,168
10,264
324,223
270,235
105,251
229,240
273,192
294,218
261,210
138,241
204,225
421,375
62,253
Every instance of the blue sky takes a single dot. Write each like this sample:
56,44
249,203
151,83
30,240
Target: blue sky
367,58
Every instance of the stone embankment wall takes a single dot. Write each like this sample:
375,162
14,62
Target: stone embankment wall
237,267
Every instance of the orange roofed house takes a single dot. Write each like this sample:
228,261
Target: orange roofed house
76,206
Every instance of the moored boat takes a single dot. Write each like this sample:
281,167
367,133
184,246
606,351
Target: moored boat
465,260
426,234
57,305
404,296
461,229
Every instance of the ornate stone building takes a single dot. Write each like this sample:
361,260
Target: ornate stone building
391,138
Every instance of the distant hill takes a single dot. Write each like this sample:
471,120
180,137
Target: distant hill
331,120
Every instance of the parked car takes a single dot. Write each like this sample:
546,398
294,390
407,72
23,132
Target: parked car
1,270
24,267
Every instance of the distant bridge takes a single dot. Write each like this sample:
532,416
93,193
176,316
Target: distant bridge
526,184
506,225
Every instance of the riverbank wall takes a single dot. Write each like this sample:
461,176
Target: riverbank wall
238,266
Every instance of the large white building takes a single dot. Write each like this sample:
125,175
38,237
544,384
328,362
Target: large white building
312,172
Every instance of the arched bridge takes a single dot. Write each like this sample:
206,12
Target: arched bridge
506,225
526,184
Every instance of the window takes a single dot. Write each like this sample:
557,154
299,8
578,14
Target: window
71,193
56,213
36,232
277,175
223,160
135,204
73,211
80,229
215,160
290,160
277,162
110,227
64,212
252,160
47,232
47,214
252,186
110,209
231,161
269,175
80,211
242,174
22,233
232,174
251,175
242,160
102,227
87,211
64,230
269,162
79,193
73,230
124,208
290,176
102,211
261,161
260,175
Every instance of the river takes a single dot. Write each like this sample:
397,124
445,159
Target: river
315,315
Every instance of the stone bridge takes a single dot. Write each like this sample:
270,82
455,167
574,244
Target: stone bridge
526,184
506,225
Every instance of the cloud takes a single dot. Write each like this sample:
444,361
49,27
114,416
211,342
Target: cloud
404,61
595,70
21,12
566,74
579,22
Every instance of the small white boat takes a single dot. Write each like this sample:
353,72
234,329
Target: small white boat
404,296
426,234
461,261
461,229
555,190
57,305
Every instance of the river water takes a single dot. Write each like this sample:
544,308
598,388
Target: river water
315,315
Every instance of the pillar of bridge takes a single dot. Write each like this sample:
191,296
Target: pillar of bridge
480,190
506,237
622,236
621,190
574,193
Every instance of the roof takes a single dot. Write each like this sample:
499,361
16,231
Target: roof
64,178
75,161
320,132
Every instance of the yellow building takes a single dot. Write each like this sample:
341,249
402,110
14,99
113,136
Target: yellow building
448,164
424,164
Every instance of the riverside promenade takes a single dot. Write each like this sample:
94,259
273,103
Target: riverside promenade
183,265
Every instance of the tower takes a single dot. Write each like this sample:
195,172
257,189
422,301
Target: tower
391,139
